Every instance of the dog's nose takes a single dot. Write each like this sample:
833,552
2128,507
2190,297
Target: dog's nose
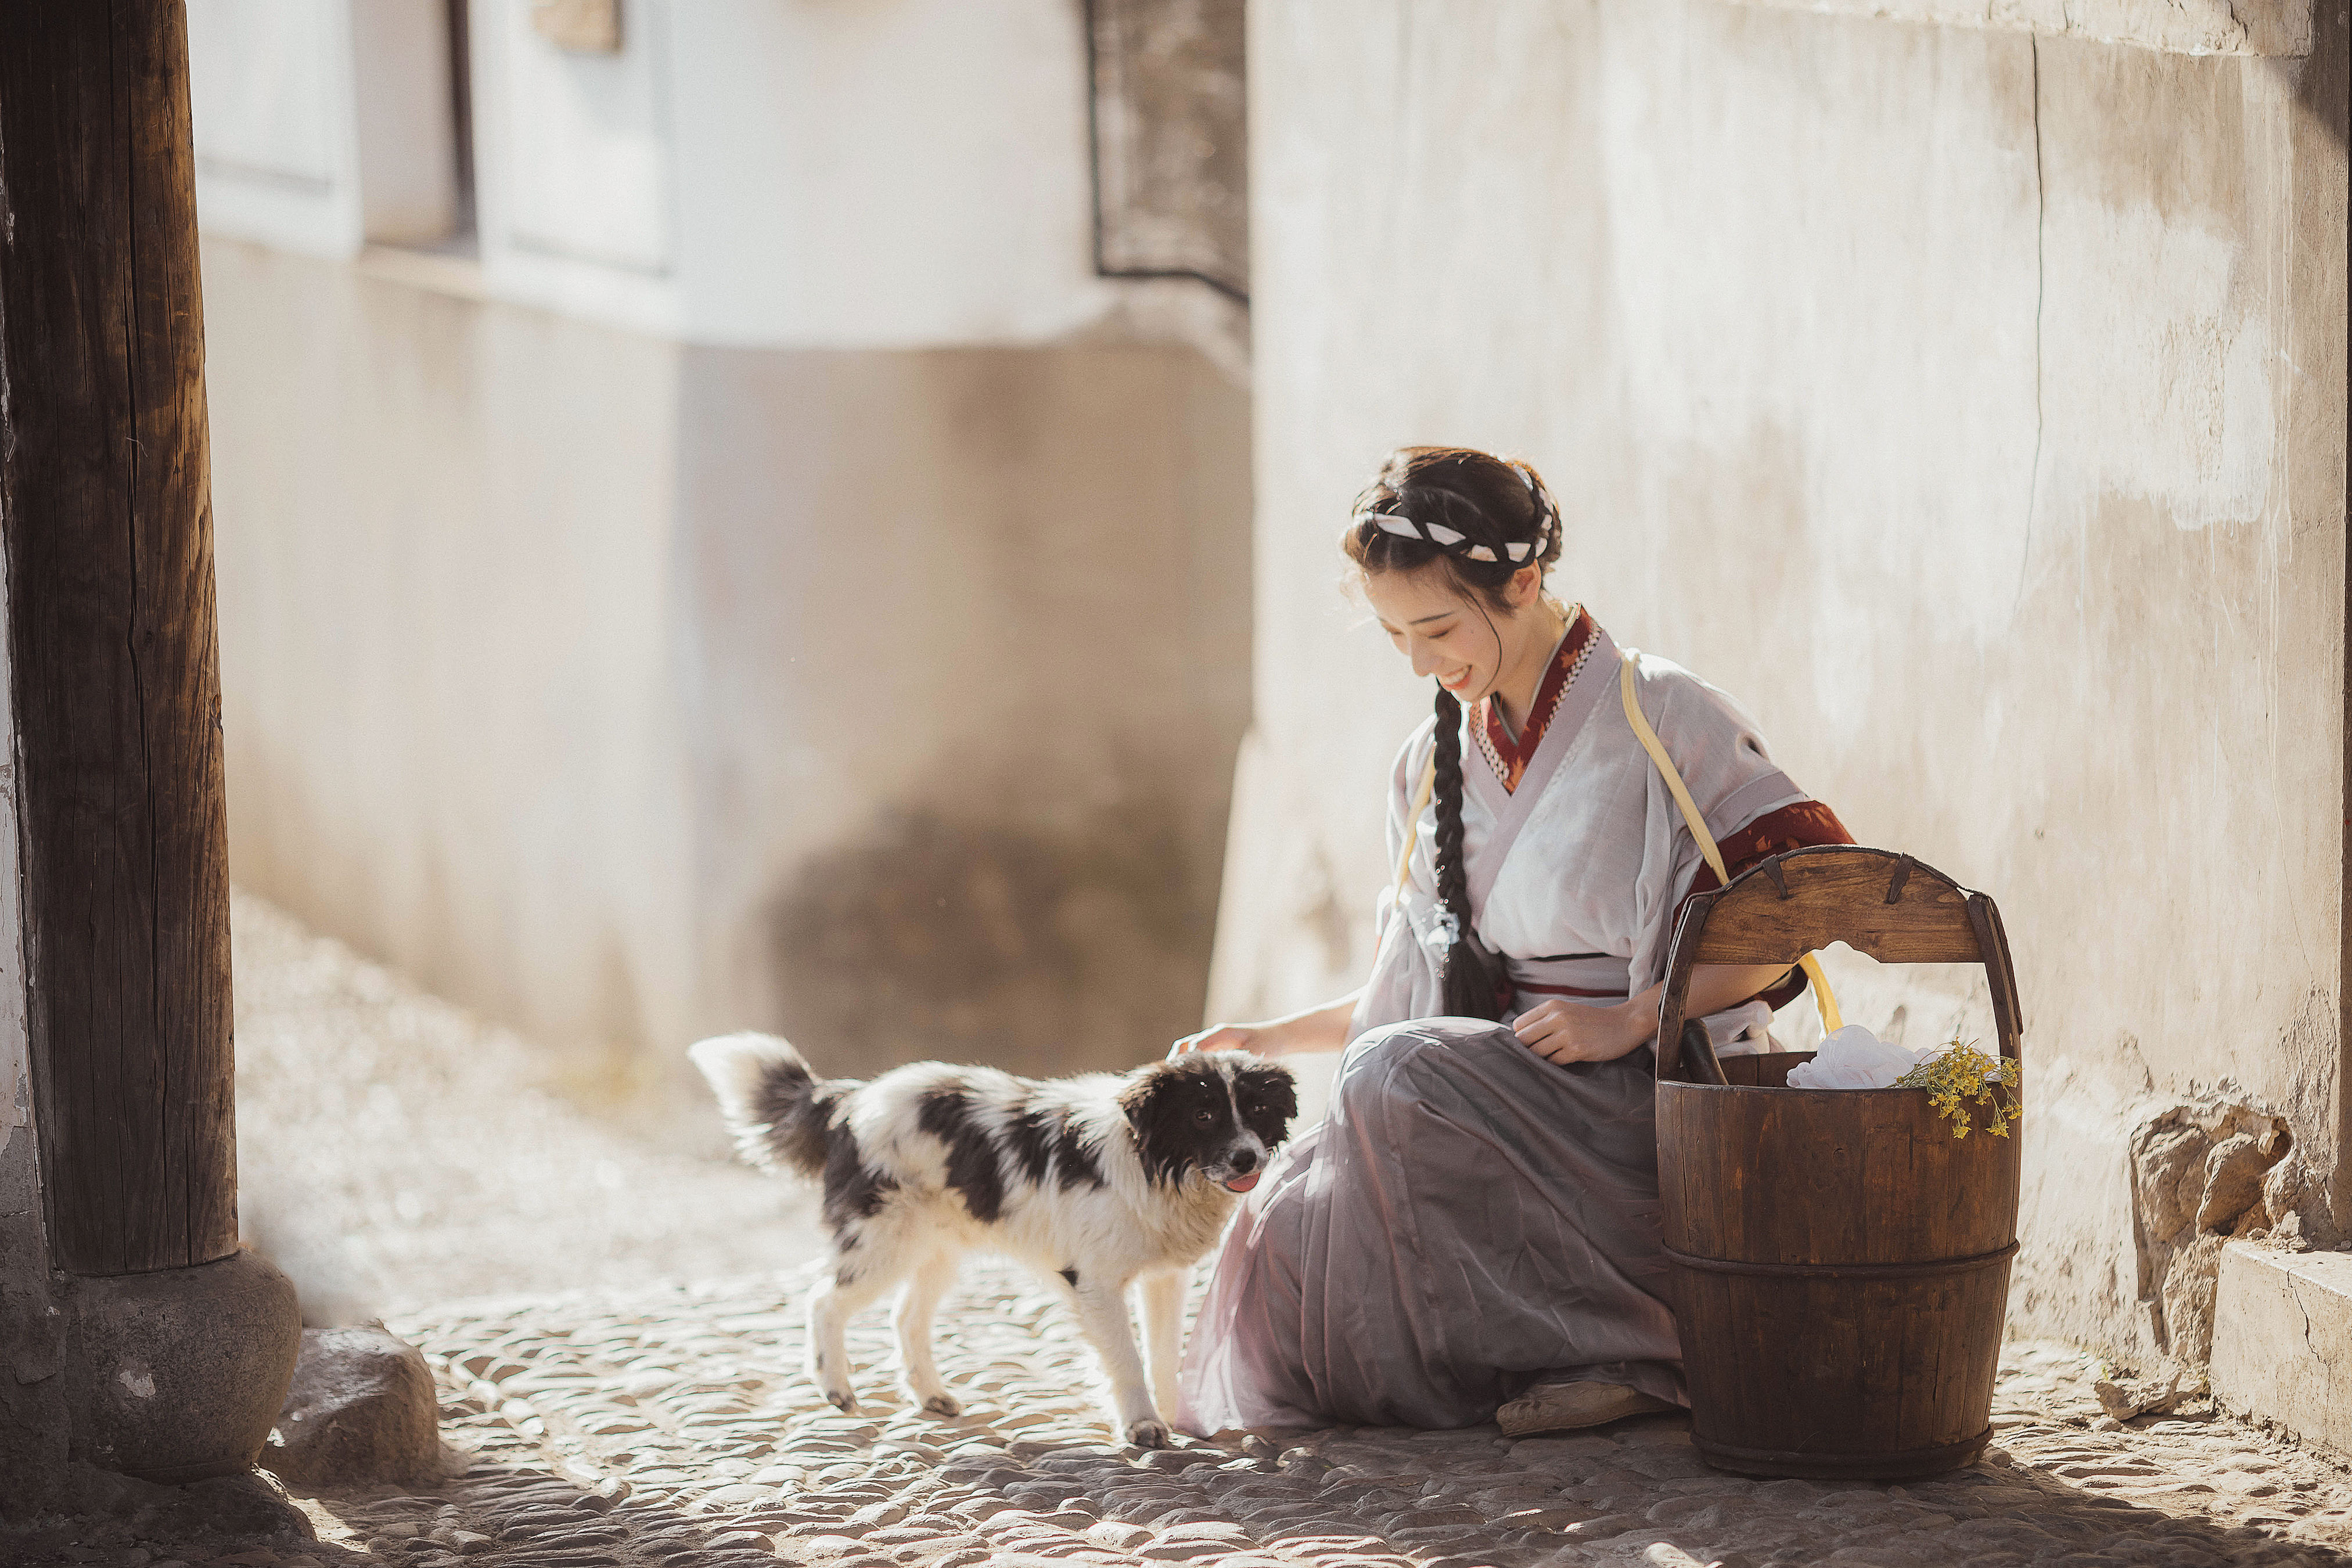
1243,1162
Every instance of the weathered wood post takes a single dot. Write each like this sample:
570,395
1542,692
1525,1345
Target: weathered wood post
179,1348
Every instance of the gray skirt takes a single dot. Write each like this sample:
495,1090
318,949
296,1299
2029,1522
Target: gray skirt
1469,1220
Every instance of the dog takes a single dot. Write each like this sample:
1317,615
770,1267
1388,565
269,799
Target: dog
1099,1183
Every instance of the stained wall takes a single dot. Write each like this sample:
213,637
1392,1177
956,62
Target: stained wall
1969,402
628,689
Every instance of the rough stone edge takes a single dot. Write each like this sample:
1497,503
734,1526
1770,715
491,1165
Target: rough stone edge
2276,1314
2279,29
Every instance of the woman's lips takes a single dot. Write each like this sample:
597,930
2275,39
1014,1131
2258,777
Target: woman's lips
1242,1184
1454,682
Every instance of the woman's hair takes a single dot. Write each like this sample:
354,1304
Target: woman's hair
1483,519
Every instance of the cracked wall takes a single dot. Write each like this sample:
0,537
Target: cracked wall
1970,403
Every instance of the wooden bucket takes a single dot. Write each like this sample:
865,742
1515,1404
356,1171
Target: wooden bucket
1838,1260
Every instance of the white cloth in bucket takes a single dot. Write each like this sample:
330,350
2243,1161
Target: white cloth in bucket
1854,1058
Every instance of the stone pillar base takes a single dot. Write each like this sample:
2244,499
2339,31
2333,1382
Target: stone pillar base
179,1374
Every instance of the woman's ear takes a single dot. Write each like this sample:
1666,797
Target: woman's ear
1527,586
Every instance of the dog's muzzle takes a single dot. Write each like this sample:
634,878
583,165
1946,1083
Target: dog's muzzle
1239,1171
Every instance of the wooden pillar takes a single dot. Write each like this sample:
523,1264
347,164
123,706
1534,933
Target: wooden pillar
106,513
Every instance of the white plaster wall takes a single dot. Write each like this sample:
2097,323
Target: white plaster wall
627,691
885,175
403,120
576,157
1983,430
745,172
273,104
444,547
2182,26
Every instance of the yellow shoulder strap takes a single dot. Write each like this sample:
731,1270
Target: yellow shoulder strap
1822,998
1413,826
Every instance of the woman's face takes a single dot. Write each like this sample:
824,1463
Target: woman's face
1460,641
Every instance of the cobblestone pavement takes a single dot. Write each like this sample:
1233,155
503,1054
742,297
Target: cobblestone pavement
671,1427
668,1425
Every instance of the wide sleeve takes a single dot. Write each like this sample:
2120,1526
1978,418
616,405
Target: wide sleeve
1749,804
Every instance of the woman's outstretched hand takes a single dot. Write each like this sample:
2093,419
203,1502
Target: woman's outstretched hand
1323,1028
1223,1037
1566,1032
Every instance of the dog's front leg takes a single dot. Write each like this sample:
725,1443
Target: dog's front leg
1102,1314
1163,1330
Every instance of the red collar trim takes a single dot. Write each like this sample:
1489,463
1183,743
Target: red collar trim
1510,758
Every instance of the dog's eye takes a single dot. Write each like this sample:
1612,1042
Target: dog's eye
1203,1118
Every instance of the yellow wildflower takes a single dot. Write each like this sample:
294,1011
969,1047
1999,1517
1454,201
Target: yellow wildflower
1960,1074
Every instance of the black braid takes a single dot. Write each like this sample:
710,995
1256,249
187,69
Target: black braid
1470,979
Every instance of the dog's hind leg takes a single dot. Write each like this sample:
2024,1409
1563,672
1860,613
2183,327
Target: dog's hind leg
932,1280
849,1289
1103,1314
1163,1331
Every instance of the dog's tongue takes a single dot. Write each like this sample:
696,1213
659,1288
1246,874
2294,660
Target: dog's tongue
1242,1184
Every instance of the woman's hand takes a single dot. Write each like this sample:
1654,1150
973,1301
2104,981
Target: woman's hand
1323,1028
1566,1032
1225,1037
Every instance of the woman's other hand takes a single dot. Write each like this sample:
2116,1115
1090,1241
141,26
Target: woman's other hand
1566,1032
1224,1038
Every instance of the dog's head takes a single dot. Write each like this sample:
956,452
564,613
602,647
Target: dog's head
1218,1112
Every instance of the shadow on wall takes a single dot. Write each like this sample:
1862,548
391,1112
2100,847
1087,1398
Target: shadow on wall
1043,951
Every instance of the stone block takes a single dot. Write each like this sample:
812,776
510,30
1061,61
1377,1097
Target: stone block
2283,1340
362,1408
176,1375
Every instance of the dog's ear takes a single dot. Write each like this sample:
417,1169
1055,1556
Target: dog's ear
1153,1103
1147,1088
1268,1096
1158,1108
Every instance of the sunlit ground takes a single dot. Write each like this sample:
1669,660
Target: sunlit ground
394,1151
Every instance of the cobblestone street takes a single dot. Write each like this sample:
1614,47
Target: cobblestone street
659,1422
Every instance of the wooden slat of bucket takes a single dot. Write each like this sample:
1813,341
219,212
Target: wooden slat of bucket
1840,1378
1833,894
1794,1175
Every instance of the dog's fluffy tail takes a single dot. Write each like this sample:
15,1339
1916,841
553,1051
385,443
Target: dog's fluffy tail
777,1108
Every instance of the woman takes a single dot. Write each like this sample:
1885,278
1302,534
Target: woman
1473,1233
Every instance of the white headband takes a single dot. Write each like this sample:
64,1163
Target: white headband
1449,541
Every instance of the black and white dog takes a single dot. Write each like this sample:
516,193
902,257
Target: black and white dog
1101,1181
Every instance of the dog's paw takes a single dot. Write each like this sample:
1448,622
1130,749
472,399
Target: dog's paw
1150,1434
942,1404
842,1400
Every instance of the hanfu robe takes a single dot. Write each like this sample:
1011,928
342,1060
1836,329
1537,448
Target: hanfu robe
1470,1218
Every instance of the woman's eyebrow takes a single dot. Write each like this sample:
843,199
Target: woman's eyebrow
1442,615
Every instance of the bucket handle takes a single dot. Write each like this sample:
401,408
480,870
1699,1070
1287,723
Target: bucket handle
1893,907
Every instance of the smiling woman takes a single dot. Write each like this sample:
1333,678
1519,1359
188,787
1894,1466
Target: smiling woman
1472,1234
